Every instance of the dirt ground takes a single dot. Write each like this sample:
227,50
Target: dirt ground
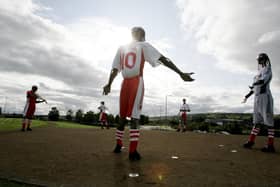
52,156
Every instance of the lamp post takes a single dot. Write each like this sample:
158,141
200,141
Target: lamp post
160,112
166,106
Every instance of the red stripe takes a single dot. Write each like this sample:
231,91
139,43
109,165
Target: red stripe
134,137
134,130
142,63
128,95
142,97
121,60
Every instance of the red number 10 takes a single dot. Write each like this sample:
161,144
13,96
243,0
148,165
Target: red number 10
130,60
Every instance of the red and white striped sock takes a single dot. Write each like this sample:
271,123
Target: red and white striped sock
28,123
255,131
134,138
119,137
23,124
270,140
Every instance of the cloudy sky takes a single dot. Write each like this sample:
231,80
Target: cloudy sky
66,47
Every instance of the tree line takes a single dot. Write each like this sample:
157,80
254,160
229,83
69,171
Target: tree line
89,117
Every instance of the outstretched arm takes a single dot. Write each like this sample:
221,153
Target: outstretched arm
248,95
40,99
107,87
168,63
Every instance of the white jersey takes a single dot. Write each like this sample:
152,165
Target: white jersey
263,102
184,108
264,74
102,108
130,58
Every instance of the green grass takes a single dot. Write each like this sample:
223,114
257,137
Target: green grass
62,124
10,124
7,124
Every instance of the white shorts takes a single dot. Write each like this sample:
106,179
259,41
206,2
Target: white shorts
263,110
131,97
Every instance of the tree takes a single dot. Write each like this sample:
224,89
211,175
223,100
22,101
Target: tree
110,119
79,116
144,119
53,114
117,119
69,115
89,117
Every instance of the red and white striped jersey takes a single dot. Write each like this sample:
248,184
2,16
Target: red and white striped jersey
130,58
31,98
30,105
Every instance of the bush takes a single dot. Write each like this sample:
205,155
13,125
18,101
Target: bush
174,123
53,114
234,129
79,116
90,118
144,119
69,115
198,126
203,127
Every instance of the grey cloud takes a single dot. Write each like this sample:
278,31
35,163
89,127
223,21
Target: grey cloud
56,64
21,51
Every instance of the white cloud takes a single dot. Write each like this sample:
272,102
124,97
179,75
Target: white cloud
70,63
234,32
64,59
22,8
270,37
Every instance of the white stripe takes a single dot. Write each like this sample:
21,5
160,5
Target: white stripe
121,132
118,134
26,107
134,134
133,139
134,130
270,136
136,111
257,130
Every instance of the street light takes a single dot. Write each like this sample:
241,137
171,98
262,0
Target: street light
160,112
166,106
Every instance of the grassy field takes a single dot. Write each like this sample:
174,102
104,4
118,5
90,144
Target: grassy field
61,124
10,124
7,124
